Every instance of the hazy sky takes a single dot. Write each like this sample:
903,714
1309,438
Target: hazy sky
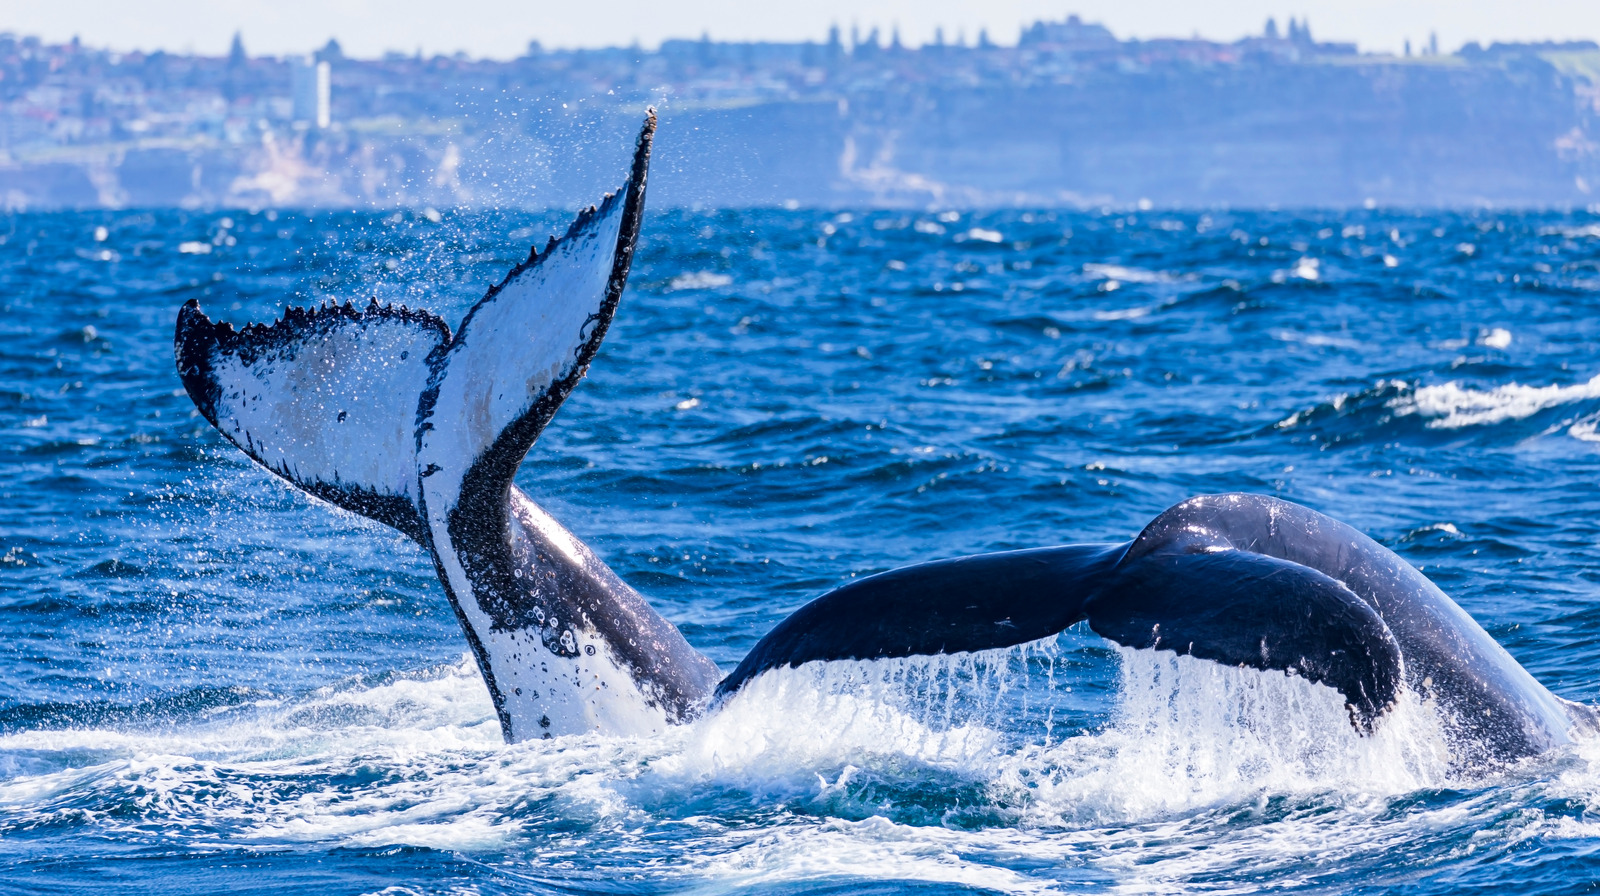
500,28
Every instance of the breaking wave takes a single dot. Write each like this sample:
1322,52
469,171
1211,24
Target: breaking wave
1394,408
1453,406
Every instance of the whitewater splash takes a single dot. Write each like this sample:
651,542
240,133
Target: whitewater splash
948,769
1187,733
1181,734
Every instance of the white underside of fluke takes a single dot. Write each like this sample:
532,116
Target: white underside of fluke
510,350
337,405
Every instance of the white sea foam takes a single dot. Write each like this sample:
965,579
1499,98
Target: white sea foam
1453,406
871,848
700,280
1585,430
805,774
981,235
1496,337
1314,339
1126,313
1126,274
1591,231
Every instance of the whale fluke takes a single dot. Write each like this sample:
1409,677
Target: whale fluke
325,397
340,400
383,412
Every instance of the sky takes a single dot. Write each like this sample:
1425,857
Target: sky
502,28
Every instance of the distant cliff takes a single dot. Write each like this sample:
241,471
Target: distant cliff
1084,121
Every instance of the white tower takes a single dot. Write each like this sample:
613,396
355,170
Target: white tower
310,90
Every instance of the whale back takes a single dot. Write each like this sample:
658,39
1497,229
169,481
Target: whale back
1231,607
1241,580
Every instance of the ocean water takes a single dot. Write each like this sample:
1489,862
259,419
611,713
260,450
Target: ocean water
212,683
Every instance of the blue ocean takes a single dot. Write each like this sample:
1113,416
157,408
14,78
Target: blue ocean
213,683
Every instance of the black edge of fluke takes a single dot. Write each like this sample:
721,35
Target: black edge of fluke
196,339
493,472
628,237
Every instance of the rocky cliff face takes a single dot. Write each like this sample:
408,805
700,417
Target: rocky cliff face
1503,130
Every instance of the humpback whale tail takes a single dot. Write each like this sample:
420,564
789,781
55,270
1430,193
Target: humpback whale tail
346,402
384,412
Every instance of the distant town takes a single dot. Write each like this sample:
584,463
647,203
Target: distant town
1061,114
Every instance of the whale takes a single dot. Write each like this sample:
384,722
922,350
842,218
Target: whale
386,412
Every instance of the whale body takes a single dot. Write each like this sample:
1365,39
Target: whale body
385,412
